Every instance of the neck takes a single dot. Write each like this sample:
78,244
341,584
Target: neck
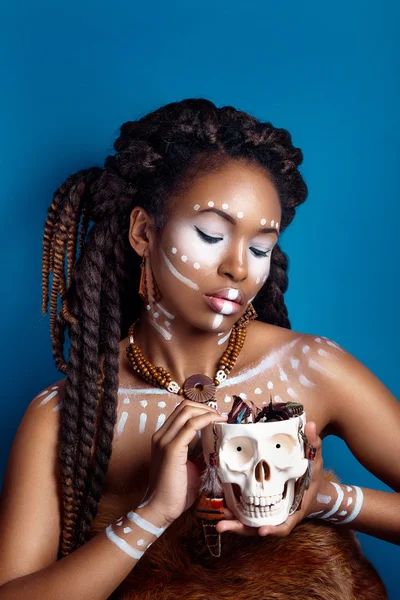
188,351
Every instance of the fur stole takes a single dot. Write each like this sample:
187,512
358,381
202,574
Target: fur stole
317,561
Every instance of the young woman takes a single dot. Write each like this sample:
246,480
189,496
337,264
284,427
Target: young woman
188,214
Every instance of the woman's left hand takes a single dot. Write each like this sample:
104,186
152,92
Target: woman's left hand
307,506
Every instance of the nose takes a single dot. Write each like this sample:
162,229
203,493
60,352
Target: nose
263,471
234,263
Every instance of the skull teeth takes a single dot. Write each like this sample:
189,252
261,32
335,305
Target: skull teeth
259,505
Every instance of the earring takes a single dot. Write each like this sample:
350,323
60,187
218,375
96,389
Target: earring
249,315
143,282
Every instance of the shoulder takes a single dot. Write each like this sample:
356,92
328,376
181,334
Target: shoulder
50,397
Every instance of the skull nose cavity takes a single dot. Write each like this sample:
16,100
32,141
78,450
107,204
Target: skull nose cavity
263,471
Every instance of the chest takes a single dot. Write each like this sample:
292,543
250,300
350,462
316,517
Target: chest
143,410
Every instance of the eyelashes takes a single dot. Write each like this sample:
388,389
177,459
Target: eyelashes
207,238
214,240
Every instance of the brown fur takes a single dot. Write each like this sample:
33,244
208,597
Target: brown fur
317,561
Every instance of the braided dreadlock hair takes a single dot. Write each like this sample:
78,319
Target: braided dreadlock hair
95,271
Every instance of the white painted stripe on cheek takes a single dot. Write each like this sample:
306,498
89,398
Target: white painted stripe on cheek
121,422
178,275
292,393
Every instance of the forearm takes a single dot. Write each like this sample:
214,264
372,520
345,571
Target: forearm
369,511
96,569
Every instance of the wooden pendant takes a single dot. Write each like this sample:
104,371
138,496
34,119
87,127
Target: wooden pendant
199,388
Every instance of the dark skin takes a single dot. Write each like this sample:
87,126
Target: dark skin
327,383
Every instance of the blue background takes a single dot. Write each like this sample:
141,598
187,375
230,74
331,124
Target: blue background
71,73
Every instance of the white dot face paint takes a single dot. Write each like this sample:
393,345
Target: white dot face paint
240,215
225,206
258,391
174,250
258,280
196,207
210,204
270,385
196,265
263,221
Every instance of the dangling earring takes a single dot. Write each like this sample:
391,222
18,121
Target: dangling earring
155,288
249,315
143,282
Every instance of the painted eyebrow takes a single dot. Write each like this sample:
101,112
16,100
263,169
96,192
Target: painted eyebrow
229,218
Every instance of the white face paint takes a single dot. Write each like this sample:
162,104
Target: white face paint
204,243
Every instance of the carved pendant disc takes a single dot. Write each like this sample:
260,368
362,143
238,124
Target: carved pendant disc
199,388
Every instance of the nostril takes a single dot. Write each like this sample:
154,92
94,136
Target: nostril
263,471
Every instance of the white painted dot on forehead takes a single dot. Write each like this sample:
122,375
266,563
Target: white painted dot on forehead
270,385
277,399
264,279
258,391
263,221
277,225
272,223
126,401
156,315
196,206
305,349
196,265
183,258
174,250
258,279
225,206
210,204
240,215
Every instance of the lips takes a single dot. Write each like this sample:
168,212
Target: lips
231,294
225,302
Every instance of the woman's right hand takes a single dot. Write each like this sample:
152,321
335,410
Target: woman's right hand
173,478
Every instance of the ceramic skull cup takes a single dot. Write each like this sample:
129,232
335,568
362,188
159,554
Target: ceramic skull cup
258,466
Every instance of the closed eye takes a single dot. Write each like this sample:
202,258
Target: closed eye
262,253
207,238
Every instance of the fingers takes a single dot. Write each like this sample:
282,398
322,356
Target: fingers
184,405
236,527
182,417
187,432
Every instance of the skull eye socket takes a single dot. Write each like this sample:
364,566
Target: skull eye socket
237,452
281,447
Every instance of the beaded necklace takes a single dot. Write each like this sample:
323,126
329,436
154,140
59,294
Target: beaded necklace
197,387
